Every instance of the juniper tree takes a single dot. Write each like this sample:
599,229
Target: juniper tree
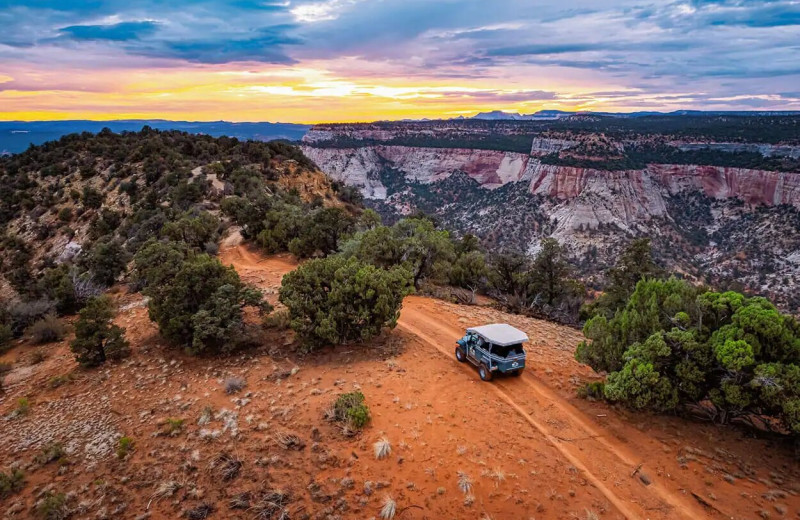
96,338
338,300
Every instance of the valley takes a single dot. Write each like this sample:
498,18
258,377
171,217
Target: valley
720,209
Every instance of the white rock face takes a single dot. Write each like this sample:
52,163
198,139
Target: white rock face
594,197
358,167
361,167
585,198
544,146
767,150
70,251
426,165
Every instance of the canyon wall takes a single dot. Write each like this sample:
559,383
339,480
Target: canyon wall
719,224
639,190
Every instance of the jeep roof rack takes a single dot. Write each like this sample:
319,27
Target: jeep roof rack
500,334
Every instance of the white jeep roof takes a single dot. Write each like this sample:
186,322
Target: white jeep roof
500,334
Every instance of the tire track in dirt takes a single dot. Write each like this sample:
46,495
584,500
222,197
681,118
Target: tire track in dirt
598,458
591,456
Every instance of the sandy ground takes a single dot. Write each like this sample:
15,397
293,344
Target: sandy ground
528,447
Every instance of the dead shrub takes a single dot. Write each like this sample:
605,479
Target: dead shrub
47,330
234,384
225,467
272,505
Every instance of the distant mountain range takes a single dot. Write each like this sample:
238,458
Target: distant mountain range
16,136
499,115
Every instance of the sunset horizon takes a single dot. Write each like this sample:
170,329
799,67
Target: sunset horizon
356,60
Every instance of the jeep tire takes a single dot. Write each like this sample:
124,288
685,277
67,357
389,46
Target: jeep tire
461,355
484,372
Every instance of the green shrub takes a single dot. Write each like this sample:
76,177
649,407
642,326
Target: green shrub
156,262
173,426
336,300
23,406
320,232
106,260
96,338
413,243
592,390
53,452
194,230
124,447
65,214
196,302
47,330
53,506
672,344
56,284
351,409
92,198
469,271
635,263
11,482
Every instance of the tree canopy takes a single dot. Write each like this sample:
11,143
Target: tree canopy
195,300
673,344
338,300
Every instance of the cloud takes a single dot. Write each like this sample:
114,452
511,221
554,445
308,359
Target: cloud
266,46
505,51
114,32
538,48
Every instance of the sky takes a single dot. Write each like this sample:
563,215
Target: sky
362,60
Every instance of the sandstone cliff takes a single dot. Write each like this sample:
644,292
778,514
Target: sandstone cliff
639,190
711,222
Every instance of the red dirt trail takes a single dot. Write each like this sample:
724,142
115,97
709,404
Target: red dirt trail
521,448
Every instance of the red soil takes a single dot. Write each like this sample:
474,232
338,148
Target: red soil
530,447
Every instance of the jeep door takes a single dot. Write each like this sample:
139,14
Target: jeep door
482,350
473,348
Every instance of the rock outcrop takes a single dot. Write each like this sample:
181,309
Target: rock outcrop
639,192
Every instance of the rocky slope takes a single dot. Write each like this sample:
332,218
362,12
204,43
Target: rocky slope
717,222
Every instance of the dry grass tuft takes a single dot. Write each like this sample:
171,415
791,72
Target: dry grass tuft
201,512
289,441
382,448
464,483
389,508
164,490
240,501
225,467
233,385
272,505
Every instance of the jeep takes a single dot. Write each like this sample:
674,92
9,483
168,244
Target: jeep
495,348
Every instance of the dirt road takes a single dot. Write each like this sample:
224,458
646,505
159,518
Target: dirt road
634,470
605,463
